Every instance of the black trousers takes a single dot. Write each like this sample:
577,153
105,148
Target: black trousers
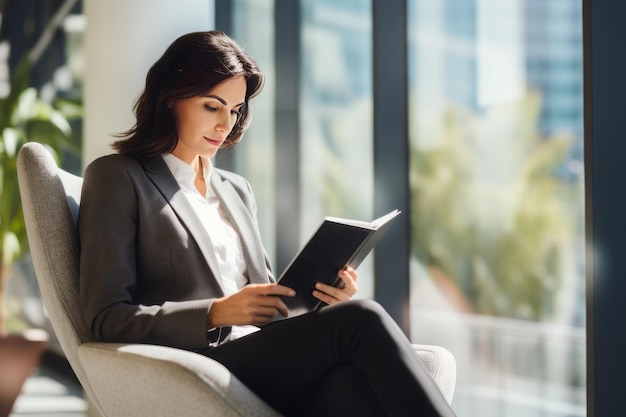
348,359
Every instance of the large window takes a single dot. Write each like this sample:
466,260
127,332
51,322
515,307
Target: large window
497,200
496,213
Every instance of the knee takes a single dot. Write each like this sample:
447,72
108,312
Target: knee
367,305
360,322
367,310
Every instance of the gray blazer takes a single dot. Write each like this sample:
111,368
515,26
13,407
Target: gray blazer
148,272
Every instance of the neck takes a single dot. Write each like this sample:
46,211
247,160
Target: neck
196,164
199,182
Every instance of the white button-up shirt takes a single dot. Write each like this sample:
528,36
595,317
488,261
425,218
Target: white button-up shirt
224,237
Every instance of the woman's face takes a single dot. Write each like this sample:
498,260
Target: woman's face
203,123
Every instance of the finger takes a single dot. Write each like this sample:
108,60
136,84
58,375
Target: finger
265,314
277,289
352,272
275,303
335,293
322,296
269,289
349,283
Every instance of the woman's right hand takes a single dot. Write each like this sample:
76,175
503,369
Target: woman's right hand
254,304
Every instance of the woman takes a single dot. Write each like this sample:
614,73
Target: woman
171,254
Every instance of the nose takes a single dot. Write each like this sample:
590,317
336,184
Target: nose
225,123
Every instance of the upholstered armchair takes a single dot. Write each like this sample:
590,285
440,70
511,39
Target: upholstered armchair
132,379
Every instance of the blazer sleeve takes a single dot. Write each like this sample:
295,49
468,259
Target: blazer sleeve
108,222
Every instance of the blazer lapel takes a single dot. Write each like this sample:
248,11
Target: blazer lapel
248,231
160,175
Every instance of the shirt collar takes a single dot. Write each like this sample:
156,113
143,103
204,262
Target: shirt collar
183,172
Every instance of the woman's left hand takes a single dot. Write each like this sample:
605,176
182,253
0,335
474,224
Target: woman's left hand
333,295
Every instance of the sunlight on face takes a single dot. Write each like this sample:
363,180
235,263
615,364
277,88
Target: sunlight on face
203,123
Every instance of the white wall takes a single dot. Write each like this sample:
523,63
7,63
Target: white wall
122,40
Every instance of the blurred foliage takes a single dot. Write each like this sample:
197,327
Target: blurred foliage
25,117
502,237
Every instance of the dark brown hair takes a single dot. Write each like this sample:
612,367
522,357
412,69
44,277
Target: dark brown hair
192,65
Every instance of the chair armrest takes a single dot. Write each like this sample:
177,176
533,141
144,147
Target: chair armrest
127,377
441,365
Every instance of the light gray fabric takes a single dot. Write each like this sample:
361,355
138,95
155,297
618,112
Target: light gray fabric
153,380
54,247
442,367
126,379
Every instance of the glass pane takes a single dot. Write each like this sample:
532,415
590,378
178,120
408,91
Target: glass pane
336,117
253,29
497,272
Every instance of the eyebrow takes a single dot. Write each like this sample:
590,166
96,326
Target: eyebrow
221,100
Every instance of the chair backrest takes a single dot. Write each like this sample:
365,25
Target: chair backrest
50,200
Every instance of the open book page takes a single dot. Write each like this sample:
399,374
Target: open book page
384,219
373,225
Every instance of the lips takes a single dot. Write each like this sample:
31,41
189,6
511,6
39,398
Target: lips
214,142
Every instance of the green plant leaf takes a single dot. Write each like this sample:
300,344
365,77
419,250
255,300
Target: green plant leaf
61,123
26,106
10,140
70,109
11,248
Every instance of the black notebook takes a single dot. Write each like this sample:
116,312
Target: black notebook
336,243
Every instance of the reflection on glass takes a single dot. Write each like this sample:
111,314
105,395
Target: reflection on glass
336,117
497,200
253,29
